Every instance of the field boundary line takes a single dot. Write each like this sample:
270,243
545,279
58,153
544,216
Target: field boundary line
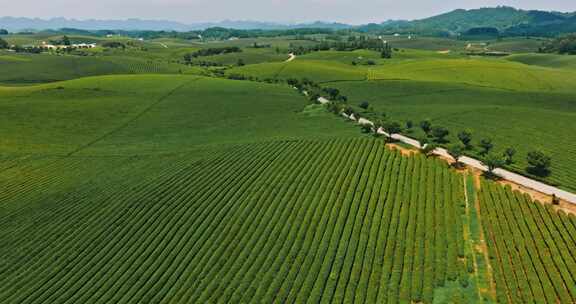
468,236
133,119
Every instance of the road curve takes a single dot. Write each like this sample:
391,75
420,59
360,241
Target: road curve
291,57
469,161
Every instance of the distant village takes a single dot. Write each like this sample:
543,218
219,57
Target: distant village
49,46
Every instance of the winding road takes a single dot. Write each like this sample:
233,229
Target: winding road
477,164
291,57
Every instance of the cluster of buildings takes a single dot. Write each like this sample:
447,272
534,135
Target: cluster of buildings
71,46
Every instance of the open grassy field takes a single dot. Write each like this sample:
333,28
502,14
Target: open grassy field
248,56
144,114
18,69
546,60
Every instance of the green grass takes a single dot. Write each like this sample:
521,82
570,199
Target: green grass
491,73
29,69
137,114
426,43
317,70
516,45
41,68
248,56
546,60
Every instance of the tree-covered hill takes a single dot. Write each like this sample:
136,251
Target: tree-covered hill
507,20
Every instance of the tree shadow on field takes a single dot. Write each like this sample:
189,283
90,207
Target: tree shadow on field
491,176
539,172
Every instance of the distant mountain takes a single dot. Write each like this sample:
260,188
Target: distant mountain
462,20
505,19
22,24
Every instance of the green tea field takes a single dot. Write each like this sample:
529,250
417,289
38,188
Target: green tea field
171,167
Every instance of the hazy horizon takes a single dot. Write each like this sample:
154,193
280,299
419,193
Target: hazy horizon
280,11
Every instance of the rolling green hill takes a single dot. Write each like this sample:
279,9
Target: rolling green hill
507,20
461,20
152,113
546,60
41,68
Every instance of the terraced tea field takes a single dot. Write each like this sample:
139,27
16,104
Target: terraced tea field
531,248
284,221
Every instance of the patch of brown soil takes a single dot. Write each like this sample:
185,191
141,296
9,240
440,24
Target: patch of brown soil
482,247
404,151
541,197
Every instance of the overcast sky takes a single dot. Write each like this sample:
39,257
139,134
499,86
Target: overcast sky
190,11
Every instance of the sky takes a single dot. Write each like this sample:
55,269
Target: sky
281,11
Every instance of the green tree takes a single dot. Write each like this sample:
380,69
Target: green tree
428,148
426,126
334,107
3,44
392,127
66,40
332,93
314,97
240,62
292,82
409,125
386,51
456,151
539,163
377,125
3,32
366,128
187,59
440,134
509,155
465,138
486,145
492,161
364,105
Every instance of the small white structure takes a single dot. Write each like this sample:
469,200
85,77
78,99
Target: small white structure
48,46
83,45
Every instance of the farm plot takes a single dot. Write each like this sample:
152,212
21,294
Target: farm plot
524,120
284,221
531,248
